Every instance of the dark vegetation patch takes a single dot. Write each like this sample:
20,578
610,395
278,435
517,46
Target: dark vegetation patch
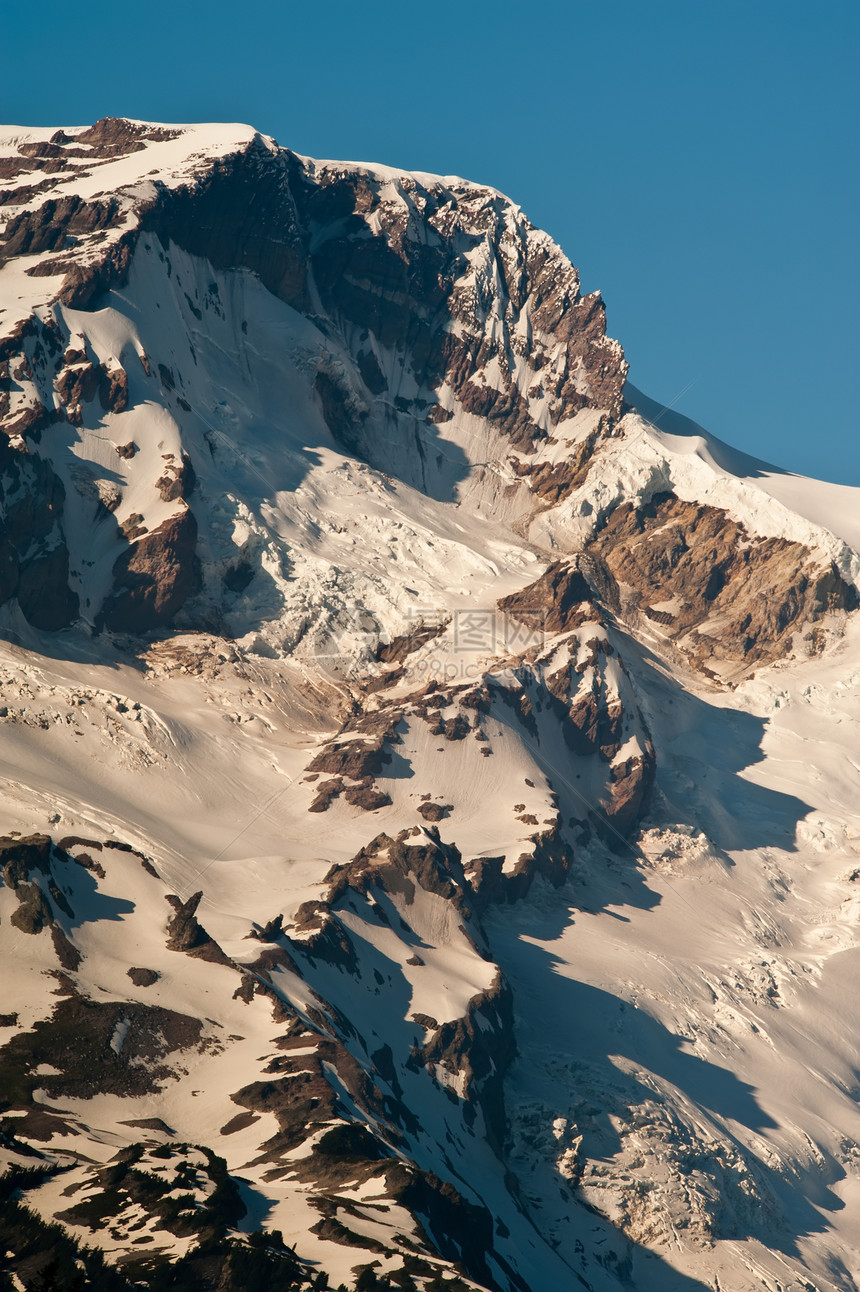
77,1038
129,1178
45,1257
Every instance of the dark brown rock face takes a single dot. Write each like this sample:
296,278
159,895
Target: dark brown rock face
554,482
76,1041
48,226
186,933
113,389
20,856
477,1048
590,713
435,811
34,559
21,861
395,275
115,136
395,865
481,1047
558,601
718,593
153,577
407,288
241,215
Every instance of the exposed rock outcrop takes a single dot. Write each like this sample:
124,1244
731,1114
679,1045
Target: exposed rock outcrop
34,559
560,600
722,595
185,933
154,577
593,704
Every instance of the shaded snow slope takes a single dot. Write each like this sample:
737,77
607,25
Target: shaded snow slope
828,506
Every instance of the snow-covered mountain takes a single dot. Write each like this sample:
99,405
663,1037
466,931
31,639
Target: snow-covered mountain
429,831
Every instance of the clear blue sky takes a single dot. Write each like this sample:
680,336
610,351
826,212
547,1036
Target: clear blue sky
697,159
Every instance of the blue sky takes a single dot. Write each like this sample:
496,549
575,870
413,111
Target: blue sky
697,159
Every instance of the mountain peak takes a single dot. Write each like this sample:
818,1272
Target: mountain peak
409,845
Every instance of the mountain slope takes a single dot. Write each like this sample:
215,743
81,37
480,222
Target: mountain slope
410,845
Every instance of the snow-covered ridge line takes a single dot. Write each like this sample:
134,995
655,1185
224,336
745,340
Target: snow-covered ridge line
643,461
